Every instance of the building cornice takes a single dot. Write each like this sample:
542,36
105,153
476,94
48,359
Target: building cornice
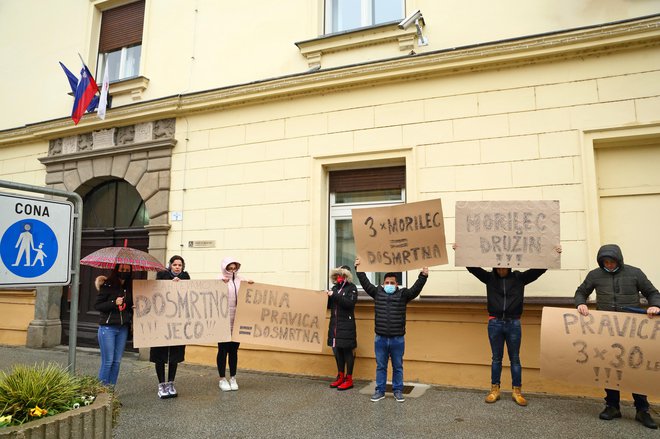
587,42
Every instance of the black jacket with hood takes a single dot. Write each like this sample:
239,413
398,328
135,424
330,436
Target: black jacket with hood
506,294
109,289
390,309
341,330
618,289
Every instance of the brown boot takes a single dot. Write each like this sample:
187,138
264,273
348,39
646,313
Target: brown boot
517,397
494,394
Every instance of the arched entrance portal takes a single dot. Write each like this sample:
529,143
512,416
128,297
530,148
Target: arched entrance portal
113,213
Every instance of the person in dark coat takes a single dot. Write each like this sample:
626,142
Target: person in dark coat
390,326
617,287
342,336
505,294
115,305
173,355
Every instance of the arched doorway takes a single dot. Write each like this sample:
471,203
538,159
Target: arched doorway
113,213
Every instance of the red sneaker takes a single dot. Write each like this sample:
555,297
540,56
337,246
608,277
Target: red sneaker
338,381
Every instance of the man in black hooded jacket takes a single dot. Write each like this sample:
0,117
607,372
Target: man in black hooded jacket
617,287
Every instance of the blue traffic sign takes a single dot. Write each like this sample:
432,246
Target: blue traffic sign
35,241
28,248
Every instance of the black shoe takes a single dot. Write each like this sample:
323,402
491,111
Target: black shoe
610,413
646,420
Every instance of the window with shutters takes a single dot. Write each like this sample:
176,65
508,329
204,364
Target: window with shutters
355,189
120,41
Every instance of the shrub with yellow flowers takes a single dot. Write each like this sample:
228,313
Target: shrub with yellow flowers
32,392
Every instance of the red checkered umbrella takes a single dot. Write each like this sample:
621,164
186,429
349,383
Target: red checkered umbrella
108,257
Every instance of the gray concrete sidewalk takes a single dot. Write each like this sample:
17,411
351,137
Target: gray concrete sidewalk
285,406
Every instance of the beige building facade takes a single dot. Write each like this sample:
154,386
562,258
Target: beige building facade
237,121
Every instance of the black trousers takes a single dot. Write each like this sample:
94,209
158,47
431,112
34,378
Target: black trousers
227,349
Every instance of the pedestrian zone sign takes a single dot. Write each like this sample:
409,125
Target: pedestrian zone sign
35,241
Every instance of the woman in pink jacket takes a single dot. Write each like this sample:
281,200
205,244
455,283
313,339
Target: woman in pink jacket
230,267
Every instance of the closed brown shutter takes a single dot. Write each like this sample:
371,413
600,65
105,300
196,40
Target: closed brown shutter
355,180
121,27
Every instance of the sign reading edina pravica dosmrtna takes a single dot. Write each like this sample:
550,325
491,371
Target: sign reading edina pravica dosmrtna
282,317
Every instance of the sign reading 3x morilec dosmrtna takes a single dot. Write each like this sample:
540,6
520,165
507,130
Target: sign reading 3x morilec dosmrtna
282,317
401,237
171,313
507,234
609,350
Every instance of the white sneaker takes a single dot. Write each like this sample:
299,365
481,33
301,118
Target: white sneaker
233,384
224,385
171,390
163,391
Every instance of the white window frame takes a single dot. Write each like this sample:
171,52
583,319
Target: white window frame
343,211
123,63
366,12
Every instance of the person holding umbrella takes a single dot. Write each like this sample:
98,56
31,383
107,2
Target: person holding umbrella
115,301
169,354
115,305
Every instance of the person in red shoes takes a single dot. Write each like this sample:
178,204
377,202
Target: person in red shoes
342,336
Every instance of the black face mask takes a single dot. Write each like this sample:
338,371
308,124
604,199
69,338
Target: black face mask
124,275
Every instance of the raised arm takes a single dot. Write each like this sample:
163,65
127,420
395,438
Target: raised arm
367,286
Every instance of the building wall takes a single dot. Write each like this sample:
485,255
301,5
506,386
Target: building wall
18,311
509,120
191,46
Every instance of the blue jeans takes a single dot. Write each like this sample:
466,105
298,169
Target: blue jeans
505,331
112,341
386,348
612,400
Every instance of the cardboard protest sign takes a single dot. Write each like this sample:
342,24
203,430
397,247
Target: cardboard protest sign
177,313
507,234
282,317
612,350
401,237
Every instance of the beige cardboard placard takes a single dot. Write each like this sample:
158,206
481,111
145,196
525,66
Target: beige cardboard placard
400,238
507,234
282,317
612,350
171,313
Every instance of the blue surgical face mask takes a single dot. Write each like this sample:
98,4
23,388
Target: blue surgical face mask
611,271
389,289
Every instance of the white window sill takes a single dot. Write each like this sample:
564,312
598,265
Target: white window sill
133,86
314,49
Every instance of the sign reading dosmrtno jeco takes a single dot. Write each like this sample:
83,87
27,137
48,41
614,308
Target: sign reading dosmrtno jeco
35,241
180,313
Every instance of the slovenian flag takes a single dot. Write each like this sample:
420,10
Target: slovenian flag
85,92
73,83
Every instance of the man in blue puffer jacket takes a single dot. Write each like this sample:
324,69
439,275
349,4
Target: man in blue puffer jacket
617,287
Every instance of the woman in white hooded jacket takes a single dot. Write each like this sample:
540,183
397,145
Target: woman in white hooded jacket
229,349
